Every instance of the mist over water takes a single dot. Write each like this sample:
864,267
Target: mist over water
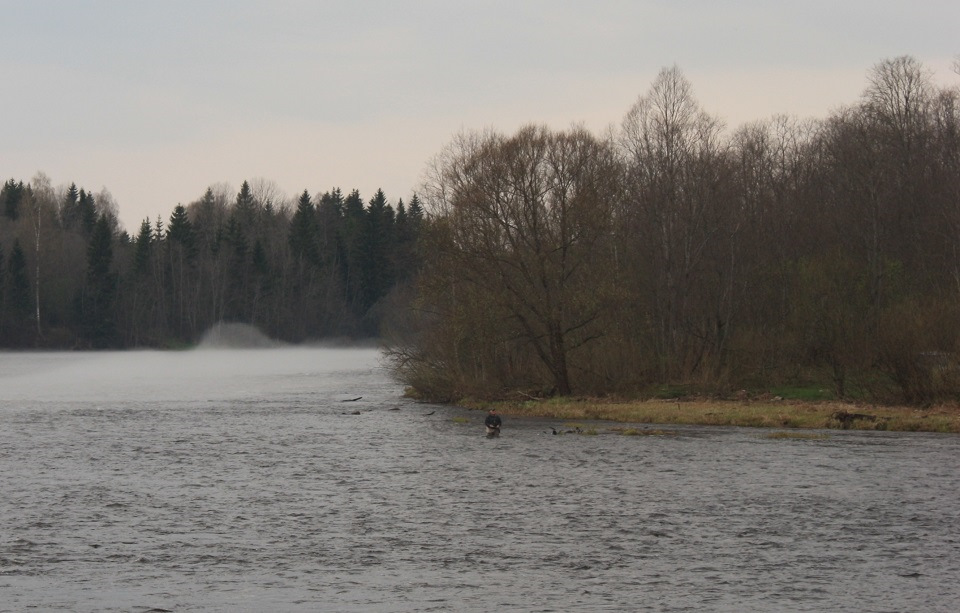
300,479
211,372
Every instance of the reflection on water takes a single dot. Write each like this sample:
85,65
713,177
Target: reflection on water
242,480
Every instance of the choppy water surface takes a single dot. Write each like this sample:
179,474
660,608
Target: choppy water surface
242,481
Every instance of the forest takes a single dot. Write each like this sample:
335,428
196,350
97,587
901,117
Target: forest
671,254
668,251
322,267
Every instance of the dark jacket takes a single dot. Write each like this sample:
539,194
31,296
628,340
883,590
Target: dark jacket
492,421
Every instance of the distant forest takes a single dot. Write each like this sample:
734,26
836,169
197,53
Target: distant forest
668,253
318,268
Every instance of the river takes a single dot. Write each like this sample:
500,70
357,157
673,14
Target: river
301,480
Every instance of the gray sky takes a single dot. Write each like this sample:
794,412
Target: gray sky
156,100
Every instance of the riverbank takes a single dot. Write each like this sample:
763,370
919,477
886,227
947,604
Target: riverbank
766,413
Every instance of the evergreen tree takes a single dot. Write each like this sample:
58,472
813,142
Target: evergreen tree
376,244
69,210
11,197
18,302
180,231
86,212
303,231
351,250
333,202
98,296
181,261
404,252
144,248
401,217
246,208
329,218
415,213
262,282
238,271
208,215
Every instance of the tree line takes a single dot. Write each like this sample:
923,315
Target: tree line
666,251
672,251
323,266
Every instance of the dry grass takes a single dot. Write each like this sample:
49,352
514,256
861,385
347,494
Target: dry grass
760,414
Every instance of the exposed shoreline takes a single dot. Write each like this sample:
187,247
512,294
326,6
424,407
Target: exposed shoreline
782,414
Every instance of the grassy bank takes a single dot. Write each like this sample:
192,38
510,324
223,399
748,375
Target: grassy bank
748,413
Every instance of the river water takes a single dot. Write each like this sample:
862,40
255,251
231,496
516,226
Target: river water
252,480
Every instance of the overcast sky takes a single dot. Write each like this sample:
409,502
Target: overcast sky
157,100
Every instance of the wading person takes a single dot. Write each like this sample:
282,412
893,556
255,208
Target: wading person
493,422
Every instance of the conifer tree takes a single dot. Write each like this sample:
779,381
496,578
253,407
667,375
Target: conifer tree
415,212
18,302
237,270
404,251
86,212
351,247
144,248
69,210
262,281
181,253
246,208
376,243
97,301
11,195
180,231
329,222
303,230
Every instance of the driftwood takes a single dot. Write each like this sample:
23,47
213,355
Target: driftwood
847,418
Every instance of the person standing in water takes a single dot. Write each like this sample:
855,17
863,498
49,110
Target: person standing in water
493,423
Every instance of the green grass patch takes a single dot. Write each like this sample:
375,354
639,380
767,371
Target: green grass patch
461,420
812,393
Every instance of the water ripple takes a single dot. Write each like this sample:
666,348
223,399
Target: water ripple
276,500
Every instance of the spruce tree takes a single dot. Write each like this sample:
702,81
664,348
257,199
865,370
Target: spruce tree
19,303
238,272
181,253
246,208
351,250
69,211
11,195
415,213
303,231
86,212
329,222
376,244
144,248
97,303
404,251
180,231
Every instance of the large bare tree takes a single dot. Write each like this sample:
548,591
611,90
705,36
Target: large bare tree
673,152
523,219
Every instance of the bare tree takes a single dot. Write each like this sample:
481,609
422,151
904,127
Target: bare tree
43,206
673,153
520,219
